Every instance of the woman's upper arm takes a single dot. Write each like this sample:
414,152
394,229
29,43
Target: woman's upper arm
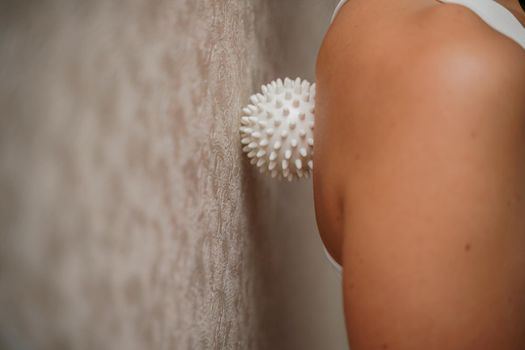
434,208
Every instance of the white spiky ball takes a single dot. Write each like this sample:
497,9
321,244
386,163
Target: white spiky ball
277,129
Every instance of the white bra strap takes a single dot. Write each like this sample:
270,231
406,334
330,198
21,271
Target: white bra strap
332,261
341,3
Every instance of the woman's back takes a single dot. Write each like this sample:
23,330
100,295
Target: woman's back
420,175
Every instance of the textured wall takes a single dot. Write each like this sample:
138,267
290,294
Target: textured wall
128,217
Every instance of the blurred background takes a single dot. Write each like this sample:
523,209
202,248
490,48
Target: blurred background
129,217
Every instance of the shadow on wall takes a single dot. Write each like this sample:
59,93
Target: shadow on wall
129,217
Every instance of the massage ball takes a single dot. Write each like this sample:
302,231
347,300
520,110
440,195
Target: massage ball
277,129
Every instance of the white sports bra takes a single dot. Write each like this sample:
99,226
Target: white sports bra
494,14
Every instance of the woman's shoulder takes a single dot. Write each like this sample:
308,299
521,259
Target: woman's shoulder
454,47
442,41
451,29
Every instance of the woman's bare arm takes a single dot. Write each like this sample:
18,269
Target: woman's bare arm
434,205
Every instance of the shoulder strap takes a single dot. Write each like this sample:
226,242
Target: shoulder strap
338,7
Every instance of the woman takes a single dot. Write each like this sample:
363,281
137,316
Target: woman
420,173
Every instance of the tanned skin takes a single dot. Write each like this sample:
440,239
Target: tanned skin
419,177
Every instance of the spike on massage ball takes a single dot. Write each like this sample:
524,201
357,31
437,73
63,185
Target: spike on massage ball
277,129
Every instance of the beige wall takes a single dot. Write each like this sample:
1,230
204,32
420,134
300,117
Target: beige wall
129,218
